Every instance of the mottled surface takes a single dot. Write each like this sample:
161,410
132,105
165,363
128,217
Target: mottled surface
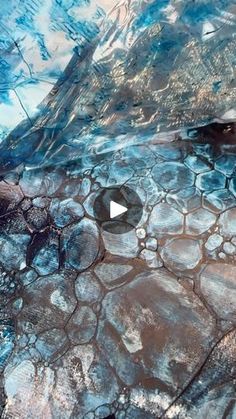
97,323
139,325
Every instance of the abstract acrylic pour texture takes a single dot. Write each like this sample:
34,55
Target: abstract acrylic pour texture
97,94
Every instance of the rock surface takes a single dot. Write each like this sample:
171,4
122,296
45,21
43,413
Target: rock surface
158,323
182,254
121,326
218,285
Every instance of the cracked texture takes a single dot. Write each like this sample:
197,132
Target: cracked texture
106,324
142,324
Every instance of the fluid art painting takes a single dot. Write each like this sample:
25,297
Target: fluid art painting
118,209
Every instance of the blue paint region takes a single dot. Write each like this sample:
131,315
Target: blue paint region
9,76
67,4
216,86
226,164
89,92
46,260
62,18
210,181
195,12
99,13
7,7
25,22
4,66
4,96
7,338
24,35
42,46
151,13
13,152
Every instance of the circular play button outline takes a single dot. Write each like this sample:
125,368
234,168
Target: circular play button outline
118,209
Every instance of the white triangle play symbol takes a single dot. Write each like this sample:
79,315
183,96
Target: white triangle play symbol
116,209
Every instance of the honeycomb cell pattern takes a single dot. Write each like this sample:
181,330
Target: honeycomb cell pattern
97,94
80,310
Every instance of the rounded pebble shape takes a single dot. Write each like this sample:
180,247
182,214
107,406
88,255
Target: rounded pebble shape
199,221
227,223
226,164
214,241
181,254
219,201
141,233
46,260
173,175
165,219
196,164
229,248
41,202
218,285
37,218
82,250
81,244
185,200
152,258
87,288
210,181
151,243
65,212
125,245
85,187
82,326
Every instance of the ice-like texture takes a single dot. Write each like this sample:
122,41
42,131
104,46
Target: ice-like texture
80,76
94,323
139,325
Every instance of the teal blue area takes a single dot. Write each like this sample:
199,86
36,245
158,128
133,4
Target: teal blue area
159,44
7,338
210,181
216,86
151,13
196,11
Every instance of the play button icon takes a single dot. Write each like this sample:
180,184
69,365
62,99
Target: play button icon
117,209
